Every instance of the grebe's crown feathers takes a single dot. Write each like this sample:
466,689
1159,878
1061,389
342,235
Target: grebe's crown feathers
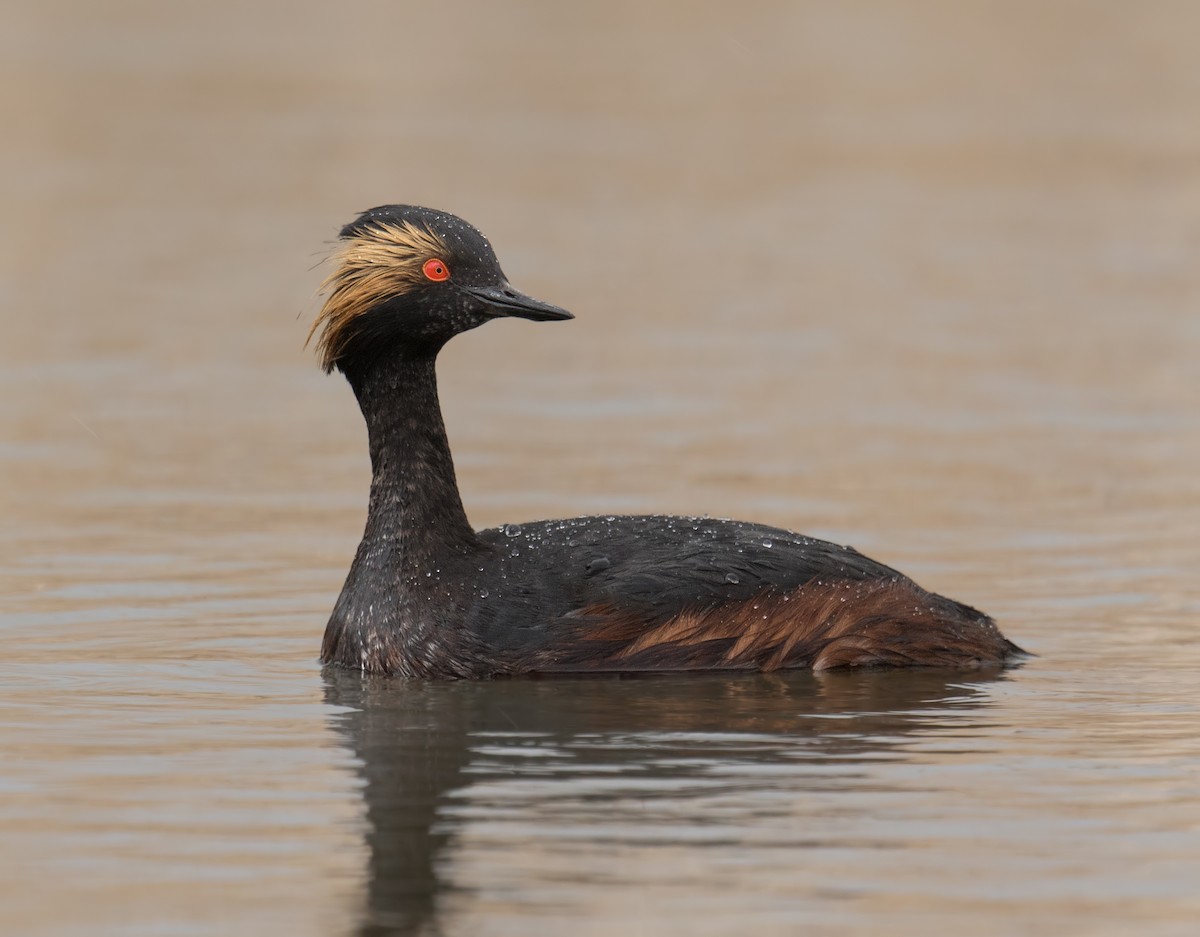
381,255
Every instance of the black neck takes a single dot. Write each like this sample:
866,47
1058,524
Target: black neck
415,502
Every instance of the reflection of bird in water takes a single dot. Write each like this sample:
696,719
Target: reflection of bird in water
422,748
429,596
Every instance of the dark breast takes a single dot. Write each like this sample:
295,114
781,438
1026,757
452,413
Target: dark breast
658,593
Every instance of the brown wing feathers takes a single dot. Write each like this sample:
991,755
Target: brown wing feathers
822,624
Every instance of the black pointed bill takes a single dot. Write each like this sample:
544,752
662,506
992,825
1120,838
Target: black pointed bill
505,301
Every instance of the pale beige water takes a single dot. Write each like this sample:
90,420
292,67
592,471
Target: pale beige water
921,277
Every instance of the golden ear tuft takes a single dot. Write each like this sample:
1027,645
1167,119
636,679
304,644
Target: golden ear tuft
375,264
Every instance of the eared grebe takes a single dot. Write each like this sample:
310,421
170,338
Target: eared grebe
428,596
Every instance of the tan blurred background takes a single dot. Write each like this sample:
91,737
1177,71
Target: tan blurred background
918,276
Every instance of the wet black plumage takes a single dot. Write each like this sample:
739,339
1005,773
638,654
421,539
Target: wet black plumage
427,596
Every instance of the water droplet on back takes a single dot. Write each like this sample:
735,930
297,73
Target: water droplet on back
599,563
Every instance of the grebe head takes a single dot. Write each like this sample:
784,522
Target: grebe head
412,278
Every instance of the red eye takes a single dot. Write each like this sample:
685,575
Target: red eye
436,270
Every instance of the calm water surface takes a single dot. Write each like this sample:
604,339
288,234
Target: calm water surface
919,277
